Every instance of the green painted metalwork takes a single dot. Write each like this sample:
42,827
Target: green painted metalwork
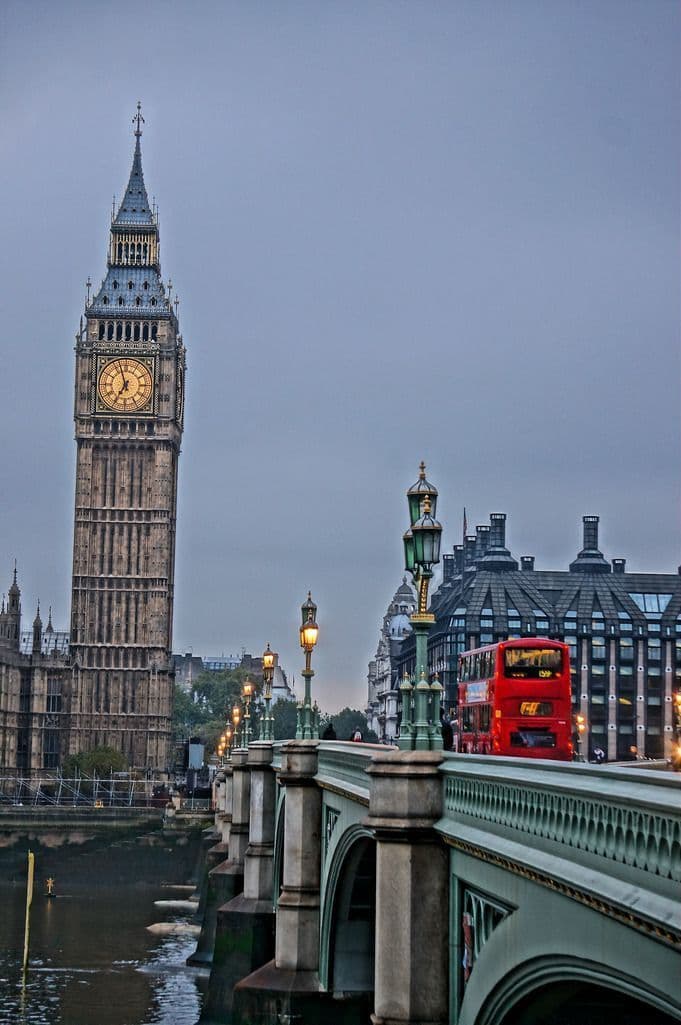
627,816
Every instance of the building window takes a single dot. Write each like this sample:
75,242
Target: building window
53,694
651,602
50,749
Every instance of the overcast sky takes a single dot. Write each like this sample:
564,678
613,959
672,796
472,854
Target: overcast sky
398,231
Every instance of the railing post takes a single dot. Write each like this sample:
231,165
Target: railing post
412,891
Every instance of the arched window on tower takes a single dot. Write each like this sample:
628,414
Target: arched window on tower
145,333
154,331
120,252
102,329
127,331
109,330
119,330
137,332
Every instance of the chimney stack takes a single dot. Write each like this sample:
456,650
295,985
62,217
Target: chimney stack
482,540
618,565
590,524
527,563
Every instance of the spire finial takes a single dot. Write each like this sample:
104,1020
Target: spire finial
138,120
422,470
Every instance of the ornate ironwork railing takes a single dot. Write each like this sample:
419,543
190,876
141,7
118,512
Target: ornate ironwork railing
631,816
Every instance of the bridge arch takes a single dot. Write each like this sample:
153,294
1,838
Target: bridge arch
568,990
347,936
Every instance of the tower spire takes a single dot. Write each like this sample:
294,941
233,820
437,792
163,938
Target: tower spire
135,208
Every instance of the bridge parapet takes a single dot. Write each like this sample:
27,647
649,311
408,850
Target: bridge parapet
343,768
623,815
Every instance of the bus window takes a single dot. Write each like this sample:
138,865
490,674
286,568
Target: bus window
484,718
532,663
468,719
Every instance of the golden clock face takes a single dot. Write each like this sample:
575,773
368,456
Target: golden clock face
125,385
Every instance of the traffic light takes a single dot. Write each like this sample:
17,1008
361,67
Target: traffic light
580,722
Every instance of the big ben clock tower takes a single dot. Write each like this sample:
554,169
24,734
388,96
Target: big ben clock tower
129,392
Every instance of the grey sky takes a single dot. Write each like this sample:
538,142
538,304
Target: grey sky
398,231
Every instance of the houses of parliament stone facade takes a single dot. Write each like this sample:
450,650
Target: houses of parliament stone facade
111,683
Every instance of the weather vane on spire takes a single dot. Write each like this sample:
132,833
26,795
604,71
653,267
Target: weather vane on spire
138,119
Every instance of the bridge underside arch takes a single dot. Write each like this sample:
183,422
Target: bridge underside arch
348,924
580,1002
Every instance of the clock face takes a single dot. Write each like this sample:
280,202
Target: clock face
125,385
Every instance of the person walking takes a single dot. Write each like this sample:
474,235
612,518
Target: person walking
329,733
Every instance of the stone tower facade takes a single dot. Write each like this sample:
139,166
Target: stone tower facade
129,394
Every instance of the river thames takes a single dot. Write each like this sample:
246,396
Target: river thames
93,959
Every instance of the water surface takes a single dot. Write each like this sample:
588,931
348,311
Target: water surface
92,959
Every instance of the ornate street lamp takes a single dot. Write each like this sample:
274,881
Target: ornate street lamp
307,727
421,553
269,661
580,726
236,719
247,691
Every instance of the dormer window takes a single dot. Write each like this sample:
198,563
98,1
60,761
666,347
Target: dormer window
105,300
115,284
120,300
138,301
130,285
153,302
146,285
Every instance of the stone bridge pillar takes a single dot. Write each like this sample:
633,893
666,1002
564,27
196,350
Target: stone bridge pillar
259,857
412,892
223,811
288,987
226,878
297,946
244,935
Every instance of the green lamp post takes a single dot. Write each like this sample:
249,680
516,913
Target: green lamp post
269,661
420,731
307,727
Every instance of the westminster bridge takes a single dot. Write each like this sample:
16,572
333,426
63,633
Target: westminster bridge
356,883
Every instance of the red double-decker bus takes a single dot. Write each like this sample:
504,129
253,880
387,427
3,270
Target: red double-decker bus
514,699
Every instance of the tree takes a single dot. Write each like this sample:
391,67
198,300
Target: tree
346,722
100,761
284,713
206,710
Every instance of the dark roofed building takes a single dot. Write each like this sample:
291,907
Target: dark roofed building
624,632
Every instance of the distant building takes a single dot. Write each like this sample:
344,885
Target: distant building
188,667
623,629
383,677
